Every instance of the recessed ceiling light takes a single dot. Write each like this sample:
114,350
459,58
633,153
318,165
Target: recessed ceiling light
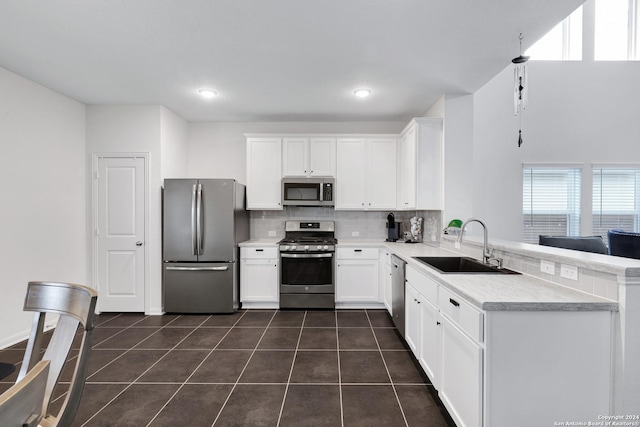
362,93
207,93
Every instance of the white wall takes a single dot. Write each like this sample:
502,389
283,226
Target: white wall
42,185
218,150
173,144
579,113
135,129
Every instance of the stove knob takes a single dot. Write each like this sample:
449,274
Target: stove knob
325,247
293,247
319,247
286,248
306,247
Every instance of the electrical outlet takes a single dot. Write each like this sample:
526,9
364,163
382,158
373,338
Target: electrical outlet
355,234
547,267
272,233
569,271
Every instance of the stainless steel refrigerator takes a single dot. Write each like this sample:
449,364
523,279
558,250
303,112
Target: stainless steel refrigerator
204,220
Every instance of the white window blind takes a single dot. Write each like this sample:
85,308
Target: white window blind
550,202
616,200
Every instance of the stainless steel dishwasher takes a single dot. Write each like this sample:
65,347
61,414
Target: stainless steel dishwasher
397,292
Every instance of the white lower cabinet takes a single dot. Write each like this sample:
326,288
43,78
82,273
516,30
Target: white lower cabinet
357,278
505,368
460,376
259,277
385,280
413,323
428,348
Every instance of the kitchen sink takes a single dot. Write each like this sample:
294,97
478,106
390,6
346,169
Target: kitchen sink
461,265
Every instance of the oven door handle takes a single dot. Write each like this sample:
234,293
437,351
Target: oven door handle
323,255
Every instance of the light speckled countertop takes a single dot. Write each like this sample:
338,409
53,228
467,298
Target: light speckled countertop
496,292
490,292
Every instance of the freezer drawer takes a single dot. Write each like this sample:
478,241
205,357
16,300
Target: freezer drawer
200,287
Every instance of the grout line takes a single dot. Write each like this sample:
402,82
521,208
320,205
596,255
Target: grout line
293,362
244,368
339,370
393,386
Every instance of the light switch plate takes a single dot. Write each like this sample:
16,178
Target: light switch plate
272,233
569,271
547,267
355,234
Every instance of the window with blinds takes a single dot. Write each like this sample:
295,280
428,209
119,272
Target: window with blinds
550,202
616,199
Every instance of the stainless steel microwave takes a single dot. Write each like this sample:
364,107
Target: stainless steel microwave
308,191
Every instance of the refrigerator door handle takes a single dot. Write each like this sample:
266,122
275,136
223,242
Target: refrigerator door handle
199,225
225,268
194,242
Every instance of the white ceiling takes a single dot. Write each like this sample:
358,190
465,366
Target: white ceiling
270,60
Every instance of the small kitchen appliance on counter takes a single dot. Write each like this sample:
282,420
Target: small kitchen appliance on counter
393,228
307,265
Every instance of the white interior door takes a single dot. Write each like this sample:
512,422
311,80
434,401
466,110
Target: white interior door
120,233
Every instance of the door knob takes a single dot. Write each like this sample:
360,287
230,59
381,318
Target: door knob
138,243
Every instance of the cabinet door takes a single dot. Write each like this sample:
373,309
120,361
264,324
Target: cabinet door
357,281
350,176
385,285
259,280
461,375
429,175
264,173
428,345
407,172
412,319
322,157
295,157
381,174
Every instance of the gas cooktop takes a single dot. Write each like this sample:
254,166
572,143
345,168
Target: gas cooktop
305,236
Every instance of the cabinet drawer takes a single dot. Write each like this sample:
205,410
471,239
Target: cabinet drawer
425,286
357,253
461,313
257,253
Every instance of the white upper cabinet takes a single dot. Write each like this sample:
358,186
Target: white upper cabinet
307,157
366,173
264,173
420,165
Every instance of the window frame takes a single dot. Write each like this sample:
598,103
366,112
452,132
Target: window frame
634,214
573,212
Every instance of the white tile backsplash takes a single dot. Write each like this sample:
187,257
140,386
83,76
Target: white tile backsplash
369,225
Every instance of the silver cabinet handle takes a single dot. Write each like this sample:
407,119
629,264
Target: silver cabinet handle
198,268
138,243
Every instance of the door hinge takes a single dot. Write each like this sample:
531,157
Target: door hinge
97,231
97,174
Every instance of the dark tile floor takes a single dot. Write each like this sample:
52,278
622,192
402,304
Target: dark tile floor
251,368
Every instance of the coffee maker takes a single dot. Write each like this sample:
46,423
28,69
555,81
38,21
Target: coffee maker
393,228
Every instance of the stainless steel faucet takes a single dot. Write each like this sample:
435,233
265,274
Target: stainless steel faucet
486,255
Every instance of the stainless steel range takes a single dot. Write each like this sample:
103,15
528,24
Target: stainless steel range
307,265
